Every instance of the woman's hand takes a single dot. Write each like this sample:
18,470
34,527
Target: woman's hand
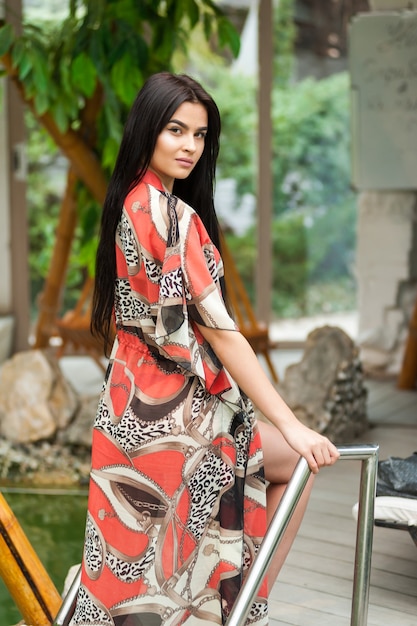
317,450
239,359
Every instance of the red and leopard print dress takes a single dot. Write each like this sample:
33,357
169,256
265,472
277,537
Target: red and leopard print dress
176,507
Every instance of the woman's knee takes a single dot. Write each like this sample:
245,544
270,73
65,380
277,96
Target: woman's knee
279,458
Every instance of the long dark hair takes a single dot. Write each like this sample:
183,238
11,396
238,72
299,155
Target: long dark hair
156,102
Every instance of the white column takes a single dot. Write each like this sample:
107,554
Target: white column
385,270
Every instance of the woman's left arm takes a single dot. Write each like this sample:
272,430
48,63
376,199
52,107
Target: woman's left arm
241,362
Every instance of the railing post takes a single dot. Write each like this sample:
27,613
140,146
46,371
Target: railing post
368,454
364,539
67,608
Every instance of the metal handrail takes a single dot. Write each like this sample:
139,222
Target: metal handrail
368,454
68,605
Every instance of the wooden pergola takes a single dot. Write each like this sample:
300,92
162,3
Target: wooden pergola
49,301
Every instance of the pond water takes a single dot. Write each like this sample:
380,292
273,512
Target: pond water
54,523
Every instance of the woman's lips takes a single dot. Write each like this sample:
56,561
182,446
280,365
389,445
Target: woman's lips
186,162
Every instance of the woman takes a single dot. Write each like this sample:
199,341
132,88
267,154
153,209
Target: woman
177,503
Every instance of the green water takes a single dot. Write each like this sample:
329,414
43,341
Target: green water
54,523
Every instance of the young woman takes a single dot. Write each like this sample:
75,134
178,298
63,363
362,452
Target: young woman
177,503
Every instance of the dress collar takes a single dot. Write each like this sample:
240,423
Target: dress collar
152,179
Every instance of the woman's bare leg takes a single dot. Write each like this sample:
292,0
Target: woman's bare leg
279,463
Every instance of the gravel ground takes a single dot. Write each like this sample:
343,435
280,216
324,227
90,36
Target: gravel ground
43,464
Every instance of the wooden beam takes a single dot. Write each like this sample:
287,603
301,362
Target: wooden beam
25,577
264,261
16,138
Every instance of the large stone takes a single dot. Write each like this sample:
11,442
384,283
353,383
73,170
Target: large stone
326,388
35,398
80,431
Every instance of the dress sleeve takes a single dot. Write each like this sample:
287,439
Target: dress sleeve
189,292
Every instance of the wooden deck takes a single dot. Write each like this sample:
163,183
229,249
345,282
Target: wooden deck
315,585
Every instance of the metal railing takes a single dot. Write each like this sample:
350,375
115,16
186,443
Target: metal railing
368,454
68,605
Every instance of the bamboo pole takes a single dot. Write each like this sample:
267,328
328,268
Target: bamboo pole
25,577
77,147
408,375
49,298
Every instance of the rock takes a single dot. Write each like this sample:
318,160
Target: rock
35,398
80,431
326,388
43,463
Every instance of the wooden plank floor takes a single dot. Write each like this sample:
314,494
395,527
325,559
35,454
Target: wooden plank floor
315,584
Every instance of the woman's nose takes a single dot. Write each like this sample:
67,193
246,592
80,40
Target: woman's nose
190,143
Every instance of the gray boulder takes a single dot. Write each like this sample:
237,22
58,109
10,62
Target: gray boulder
326,388
35,398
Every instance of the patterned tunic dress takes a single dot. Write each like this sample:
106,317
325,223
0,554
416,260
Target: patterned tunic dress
176,508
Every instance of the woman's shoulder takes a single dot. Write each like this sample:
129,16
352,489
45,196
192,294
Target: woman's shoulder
140,196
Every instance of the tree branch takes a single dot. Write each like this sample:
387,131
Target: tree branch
78,152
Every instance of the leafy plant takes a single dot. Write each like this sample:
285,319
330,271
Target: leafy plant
289,264
46,178
80,75
311,144
314,207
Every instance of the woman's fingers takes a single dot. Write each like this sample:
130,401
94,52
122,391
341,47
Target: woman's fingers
322,454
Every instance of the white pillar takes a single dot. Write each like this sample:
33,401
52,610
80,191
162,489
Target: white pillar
385,263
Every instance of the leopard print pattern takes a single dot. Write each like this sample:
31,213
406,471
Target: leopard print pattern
171,285
199,400
93,549
246,557
131,572
88,612
242,438
153,270
211,476
128,241
211,262
130,438
258,612
127,307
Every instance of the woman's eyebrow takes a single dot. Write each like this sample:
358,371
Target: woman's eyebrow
174,121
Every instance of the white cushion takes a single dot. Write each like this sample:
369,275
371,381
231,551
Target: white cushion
393,509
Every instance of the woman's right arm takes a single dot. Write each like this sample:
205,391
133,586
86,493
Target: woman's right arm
237,356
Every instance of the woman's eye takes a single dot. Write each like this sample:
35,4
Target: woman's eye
175,130
201,135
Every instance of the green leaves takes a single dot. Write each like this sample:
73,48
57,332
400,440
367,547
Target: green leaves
117,43
6,38
228,35
189,8
114,45
84,74
126,79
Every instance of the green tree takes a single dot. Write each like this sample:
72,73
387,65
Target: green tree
284,40
80,76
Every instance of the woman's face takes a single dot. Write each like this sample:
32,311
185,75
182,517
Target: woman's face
180,144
